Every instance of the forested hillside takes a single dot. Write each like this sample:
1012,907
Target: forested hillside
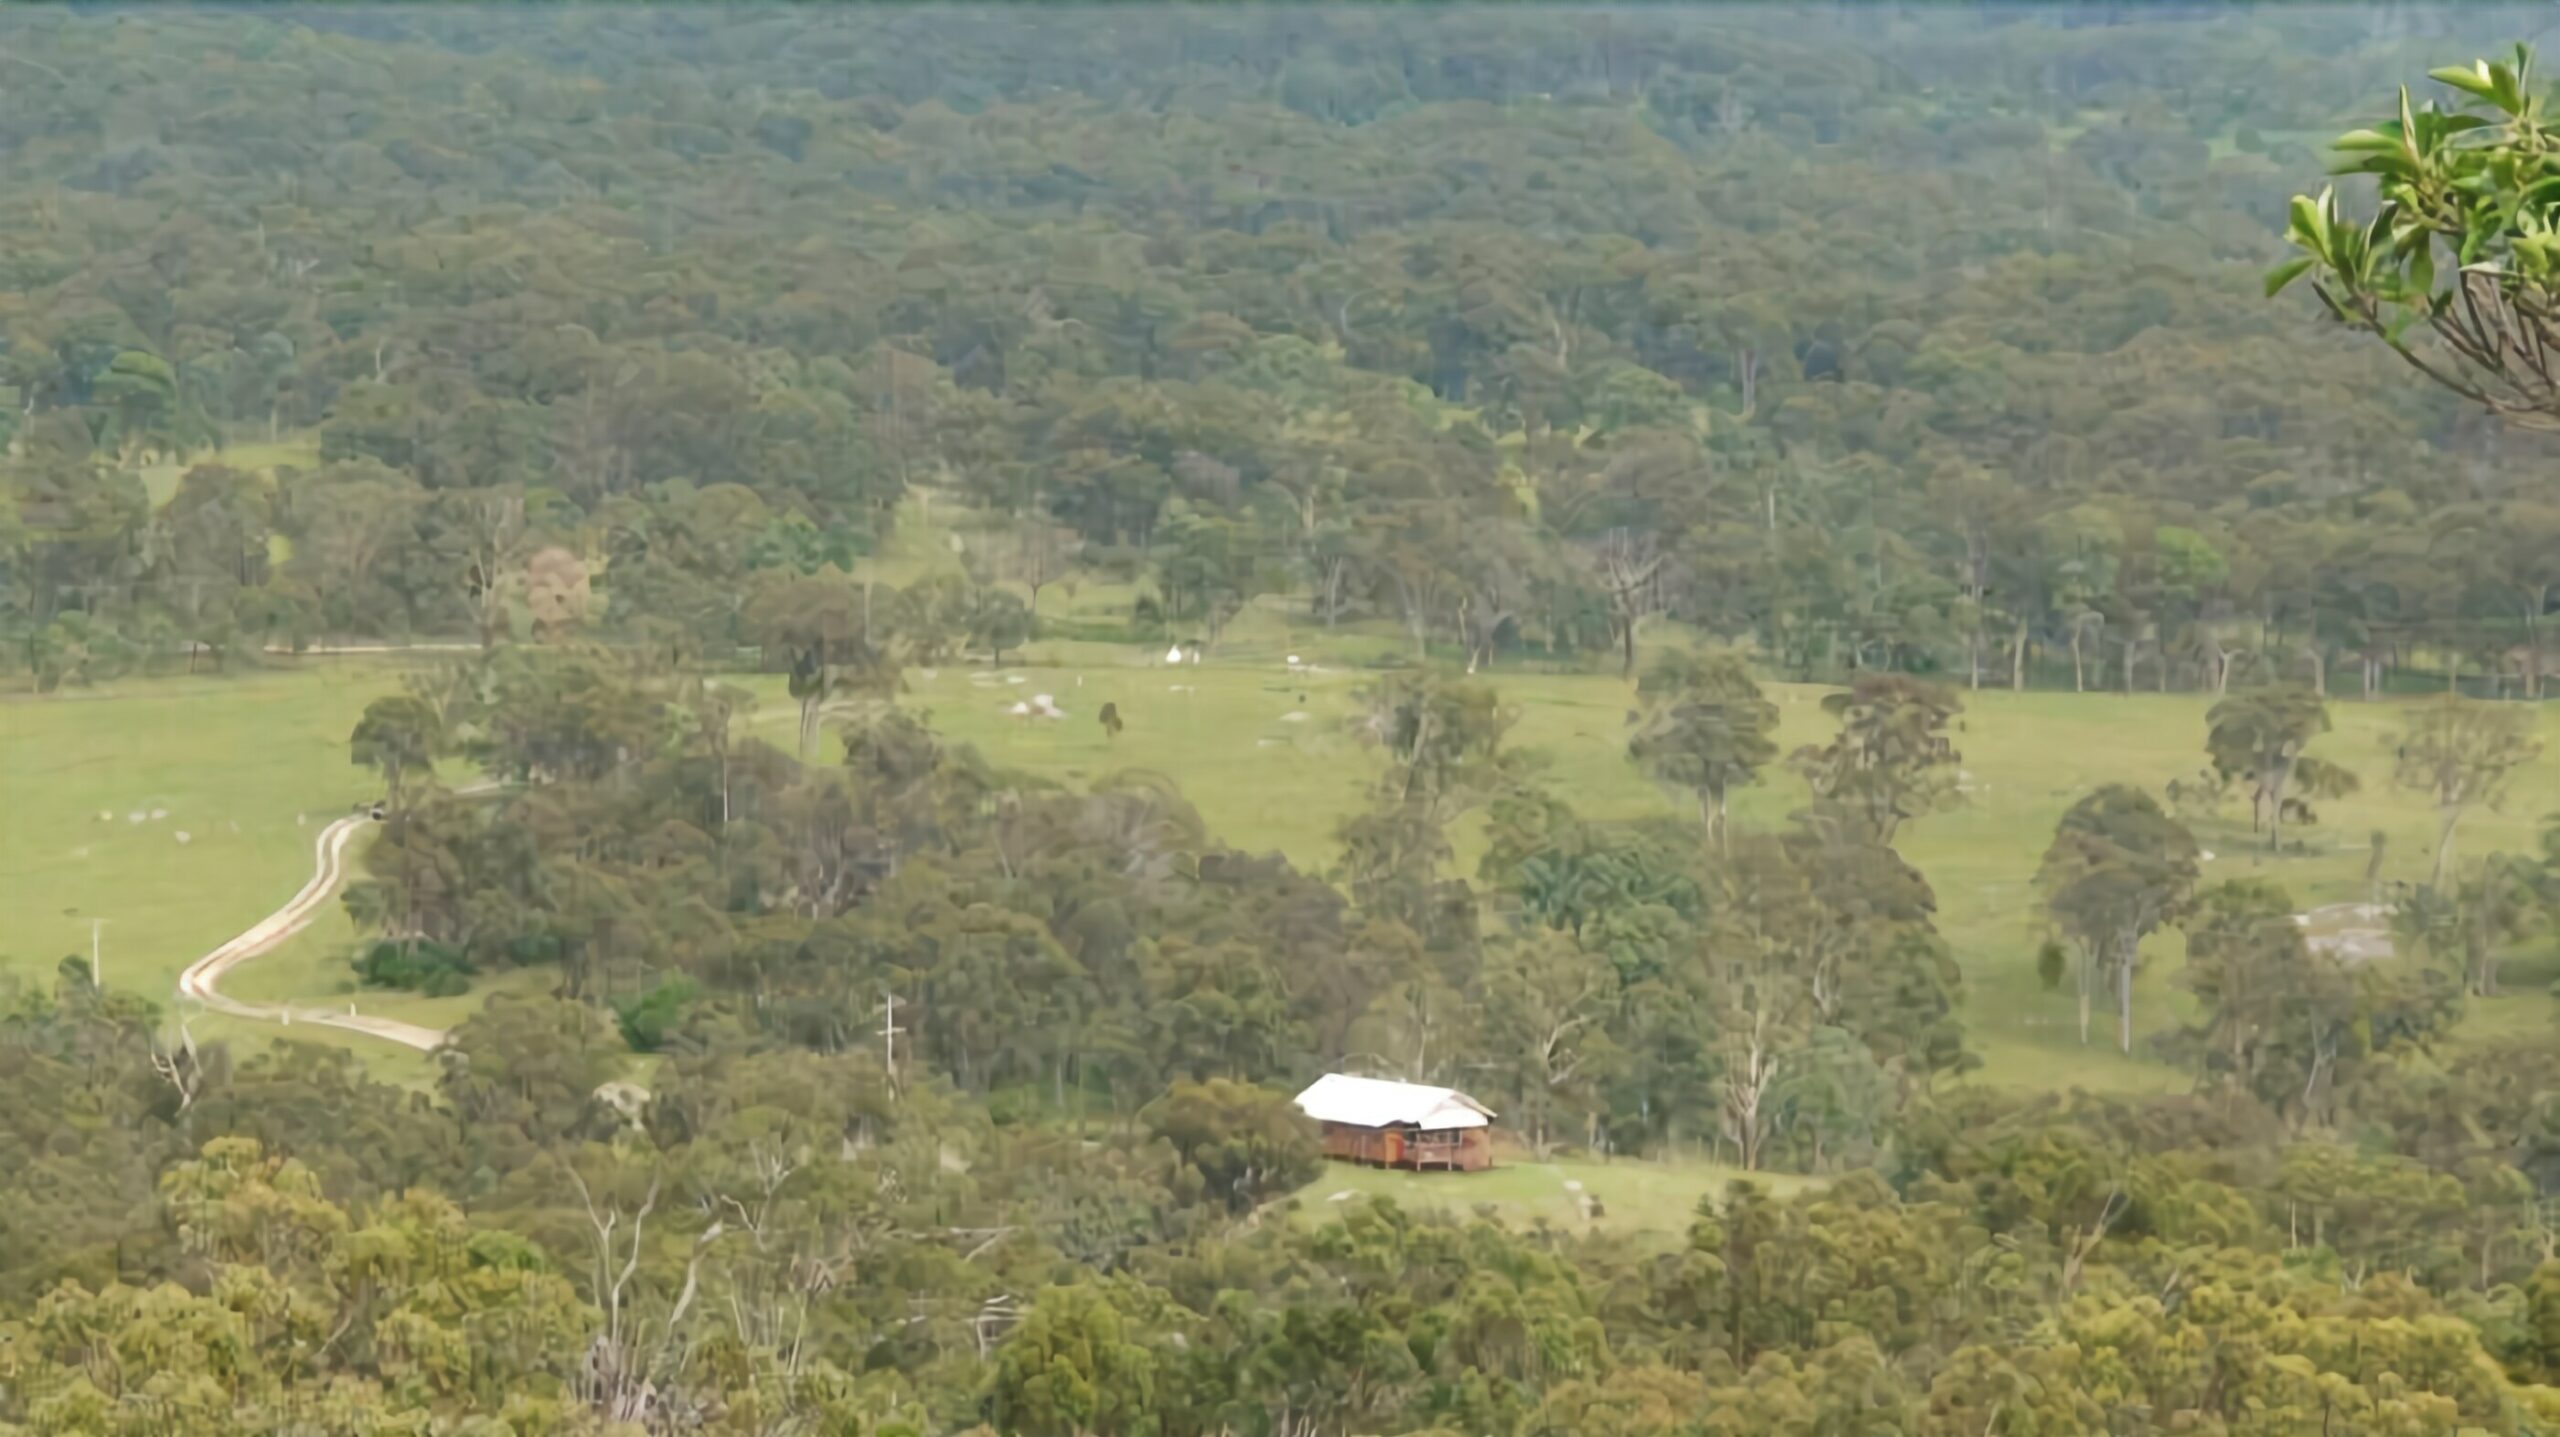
1922,342
1828,415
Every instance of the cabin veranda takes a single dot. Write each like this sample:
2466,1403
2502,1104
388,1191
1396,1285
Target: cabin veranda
1390,1124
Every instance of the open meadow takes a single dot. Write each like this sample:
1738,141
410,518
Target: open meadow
1653,1197
179,811
247,766
1268,757
298,449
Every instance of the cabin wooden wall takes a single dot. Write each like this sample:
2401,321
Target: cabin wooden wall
1395,1148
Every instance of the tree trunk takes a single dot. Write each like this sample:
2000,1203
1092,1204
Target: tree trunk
2079,683
2124,1001
2088,979
2018,659
2451,816
2534,600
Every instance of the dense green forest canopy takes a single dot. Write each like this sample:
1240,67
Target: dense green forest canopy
1883,339
866,1087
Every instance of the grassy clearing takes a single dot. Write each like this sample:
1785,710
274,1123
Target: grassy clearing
249,766
1261,750
1653,1198
1266,757
262,456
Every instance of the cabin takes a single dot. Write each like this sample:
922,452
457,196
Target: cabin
1400,1125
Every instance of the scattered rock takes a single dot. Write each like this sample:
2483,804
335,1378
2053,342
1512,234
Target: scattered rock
106,815
183,837
1345,1195
1294,716
136,816
158,814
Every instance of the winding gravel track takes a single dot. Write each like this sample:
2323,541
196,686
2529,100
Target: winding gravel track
202,979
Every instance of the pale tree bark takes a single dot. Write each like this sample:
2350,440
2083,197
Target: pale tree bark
1747,1091
2087,973
2448,817
2124,999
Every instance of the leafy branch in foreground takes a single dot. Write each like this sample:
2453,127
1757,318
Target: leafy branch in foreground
2465,242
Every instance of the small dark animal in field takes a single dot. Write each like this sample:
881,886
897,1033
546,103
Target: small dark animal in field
1111,720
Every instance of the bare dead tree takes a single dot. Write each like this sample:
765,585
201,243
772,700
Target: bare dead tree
627,1375
181,1068
1630,564
2085,1240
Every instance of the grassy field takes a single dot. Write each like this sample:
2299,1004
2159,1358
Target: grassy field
262,456
249,765
1632,1196
1265,755
102,782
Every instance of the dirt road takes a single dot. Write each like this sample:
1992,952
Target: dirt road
201,981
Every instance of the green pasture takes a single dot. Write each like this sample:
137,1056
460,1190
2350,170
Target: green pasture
1268,756
250,765
1654,1197
300,450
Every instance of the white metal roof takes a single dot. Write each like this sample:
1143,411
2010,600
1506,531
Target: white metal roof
1380,1103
